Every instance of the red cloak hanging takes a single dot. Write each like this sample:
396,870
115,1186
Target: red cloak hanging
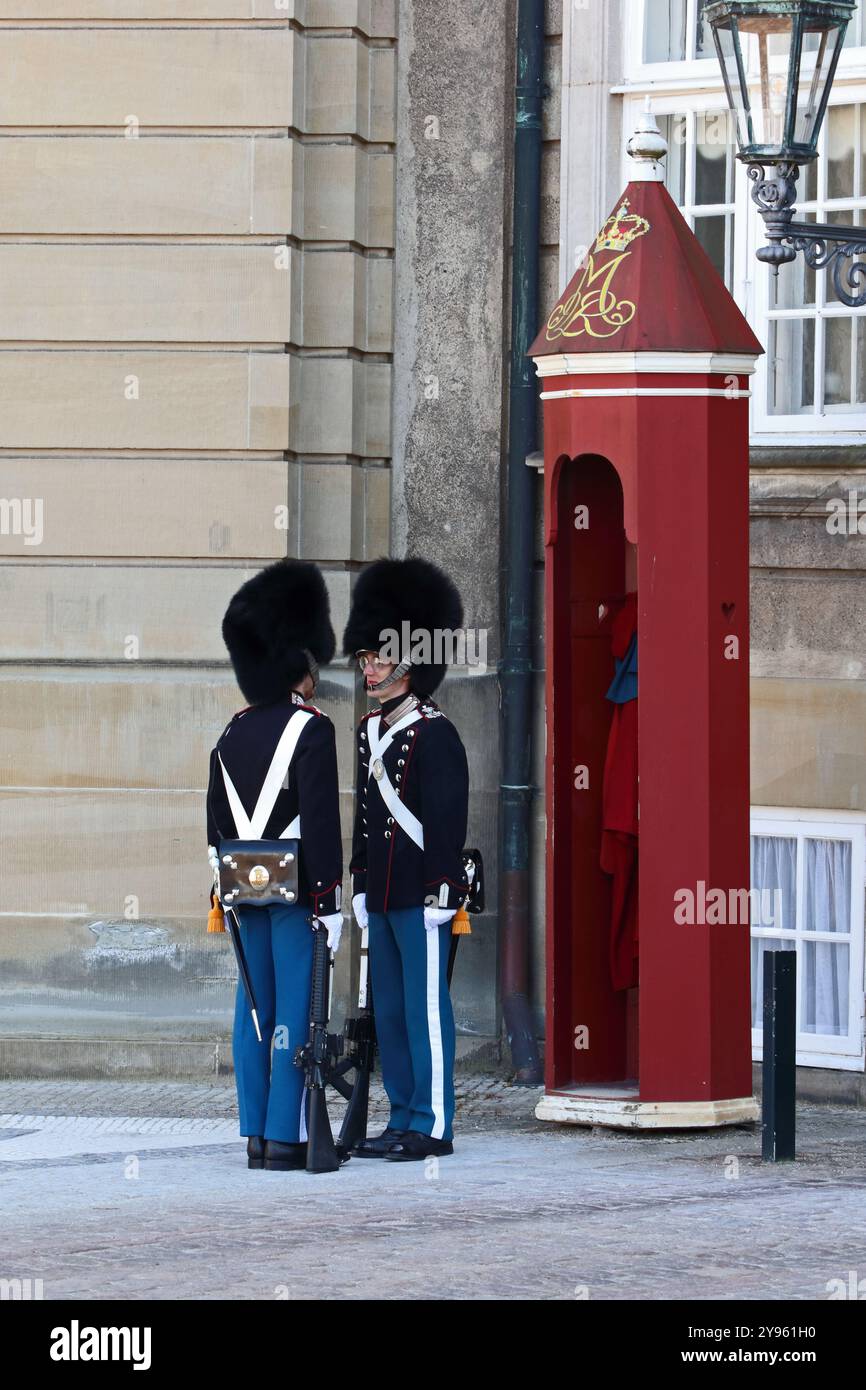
619,839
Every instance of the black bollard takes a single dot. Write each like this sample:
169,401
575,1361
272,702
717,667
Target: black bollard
780,1043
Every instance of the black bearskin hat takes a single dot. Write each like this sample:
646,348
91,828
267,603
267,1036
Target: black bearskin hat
388,594
269,623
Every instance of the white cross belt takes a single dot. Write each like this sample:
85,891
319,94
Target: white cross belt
401,813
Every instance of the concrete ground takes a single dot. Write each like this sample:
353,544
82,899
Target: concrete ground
141,1191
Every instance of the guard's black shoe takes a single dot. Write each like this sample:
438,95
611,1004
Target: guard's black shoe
377,1147
255,1151
412,1147
280,1157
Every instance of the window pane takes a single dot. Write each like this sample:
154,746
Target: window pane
791,366
853,35
774,881
808,183
664,38
760,946
840,152
845,217
794,286
824,988
711,159
710,232
828,886
860,333
704,46
837,361
673,128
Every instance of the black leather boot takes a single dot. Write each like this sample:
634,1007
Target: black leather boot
379,1146
412,1147
280,1157
255,1151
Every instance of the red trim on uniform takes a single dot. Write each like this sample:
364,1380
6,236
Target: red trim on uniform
324,893
445,879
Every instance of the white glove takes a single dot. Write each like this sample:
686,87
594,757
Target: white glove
333,923
437,916
359,907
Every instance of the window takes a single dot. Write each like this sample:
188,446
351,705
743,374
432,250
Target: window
816,346
808,895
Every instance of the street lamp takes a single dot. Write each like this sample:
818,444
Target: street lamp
788,49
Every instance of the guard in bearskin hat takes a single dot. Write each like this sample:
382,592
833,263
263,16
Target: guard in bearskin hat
273,776
408,877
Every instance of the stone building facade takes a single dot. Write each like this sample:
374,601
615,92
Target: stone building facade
253,287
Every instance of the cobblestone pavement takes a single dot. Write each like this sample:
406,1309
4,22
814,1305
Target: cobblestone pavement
486,1099
141,1191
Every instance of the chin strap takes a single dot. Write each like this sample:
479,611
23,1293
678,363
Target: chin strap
312,665
396,675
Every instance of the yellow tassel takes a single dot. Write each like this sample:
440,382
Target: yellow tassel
216,919
461,925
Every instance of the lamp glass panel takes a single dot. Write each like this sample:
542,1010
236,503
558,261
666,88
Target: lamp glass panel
734,78
819,48
768,41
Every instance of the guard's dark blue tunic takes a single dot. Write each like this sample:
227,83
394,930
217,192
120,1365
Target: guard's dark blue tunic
425,764
247,746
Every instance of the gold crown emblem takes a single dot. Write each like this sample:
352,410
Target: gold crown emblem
620,229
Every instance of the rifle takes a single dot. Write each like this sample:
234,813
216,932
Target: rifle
360,1032
319,1058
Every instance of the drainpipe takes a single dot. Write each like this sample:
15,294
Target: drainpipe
515,668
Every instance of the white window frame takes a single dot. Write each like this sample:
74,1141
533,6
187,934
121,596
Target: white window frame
693,70
846,1053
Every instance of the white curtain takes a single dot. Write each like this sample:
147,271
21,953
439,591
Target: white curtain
774,876
822,966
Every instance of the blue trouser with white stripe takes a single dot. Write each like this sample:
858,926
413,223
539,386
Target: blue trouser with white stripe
278,945
414,1019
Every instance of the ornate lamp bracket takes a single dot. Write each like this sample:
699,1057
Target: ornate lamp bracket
823,244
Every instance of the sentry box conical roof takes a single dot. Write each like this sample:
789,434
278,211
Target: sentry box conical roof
645,285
